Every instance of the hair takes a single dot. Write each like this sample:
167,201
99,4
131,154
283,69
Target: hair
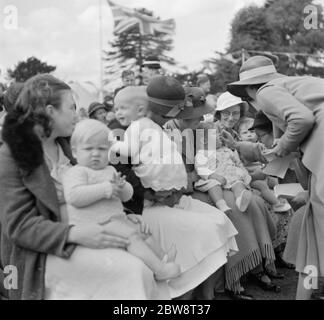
256,86
11,95
28,111
201,79
87,129
127,73
37,93
245,122
136,94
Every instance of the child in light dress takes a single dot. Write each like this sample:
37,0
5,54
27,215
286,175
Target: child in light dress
94,192
260,181
219,167
154,156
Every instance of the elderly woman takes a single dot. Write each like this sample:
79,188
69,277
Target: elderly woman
255,227
295,105
56,260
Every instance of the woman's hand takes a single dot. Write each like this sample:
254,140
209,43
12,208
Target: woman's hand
228,139
95,236
136,218
301,198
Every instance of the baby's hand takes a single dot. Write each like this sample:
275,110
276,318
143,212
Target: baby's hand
116,190
118,184
119,180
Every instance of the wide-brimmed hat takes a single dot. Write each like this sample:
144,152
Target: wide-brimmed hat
195,105
227,100
255,70
152,62
94,106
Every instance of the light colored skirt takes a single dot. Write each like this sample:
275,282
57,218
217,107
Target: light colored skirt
105,274
311,240
290,253
202,234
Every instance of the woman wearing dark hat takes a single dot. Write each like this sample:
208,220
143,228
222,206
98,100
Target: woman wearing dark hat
98,111
295,105
203,235
254,242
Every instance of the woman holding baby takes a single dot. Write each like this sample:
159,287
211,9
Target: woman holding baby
59,259
255,227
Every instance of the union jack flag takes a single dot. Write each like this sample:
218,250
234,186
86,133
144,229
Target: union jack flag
127,18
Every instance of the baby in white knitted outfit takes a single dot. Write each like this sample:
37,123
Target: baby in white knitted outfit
94,193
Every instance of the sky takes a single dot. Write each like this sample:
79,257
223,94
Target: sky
65,33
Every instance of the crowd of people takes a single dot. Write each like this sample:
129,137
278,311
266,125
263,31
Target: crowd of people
161,188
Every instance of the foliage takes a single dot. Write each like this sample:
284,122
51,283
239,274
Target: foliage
130,48
277,27
26,69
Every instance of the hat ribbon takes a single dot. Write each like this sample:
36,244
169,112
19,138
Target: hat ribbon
176,105
260,71
151,62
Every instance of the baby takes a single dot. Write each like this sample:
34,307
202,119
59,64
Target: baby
219,166
260,181
154,156
94,192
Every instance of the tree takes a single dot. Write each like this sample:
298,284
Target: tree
129,49
26,69
278,27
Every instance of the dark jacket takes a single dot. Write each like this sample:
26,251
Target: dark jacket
30,216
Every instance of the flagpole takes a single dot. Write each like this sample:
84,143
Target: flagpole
100,54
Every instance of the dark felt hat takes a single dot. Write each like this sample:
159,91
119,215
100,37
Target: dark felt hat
195,105
94,106
166,96
152,62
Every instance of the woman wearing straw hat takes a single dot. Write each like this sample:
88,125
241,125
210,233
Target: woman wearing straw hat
295,105
254,243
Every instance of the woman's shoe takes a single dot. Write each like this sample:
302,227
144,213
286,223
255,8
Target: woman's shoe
280,263
258,278
242,295
243,201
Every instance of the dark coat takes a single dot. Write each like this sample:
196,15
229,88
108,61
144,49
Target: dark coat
30,216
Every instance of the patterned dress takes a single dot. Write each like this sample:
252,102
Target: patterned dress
223,162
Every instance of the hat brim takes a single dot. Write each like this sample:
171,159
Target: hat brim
98,108
242,103
195,113
238,88
151,66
